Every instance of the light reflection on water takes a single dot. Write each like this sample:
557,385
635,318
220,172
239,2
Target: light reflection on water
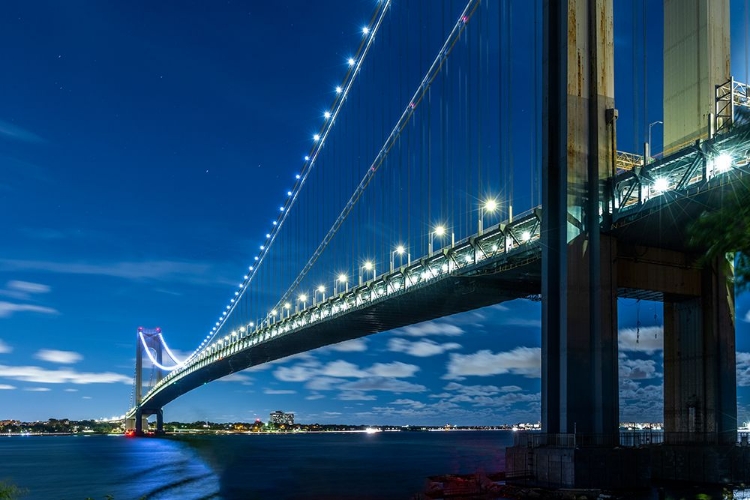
77,467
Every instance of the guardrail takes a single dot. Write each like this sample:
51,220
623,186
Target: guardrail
628,439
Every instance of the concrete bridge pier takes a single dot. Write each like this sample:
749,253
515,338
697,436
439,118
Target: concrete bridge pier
700,388
140,422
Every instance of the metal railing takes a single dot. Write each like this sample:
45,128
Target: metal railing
627,439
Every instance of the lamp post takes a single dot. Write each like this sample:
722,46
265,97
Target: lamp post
273,314
368,266
400,250
489,206
303,298
342,278
439,231
287,306
648,144
320,290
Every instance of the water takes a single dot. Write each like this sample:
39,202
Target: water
298,466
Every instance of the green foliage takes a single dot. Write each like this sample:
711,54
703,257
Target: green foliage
10,491
727,231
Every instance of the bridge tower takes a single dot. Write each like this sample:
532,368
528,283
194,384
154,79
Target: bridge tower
696,60
584,264
147,339
700,391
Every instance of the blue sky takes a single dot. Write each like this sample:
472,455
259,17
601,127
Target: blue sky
143,150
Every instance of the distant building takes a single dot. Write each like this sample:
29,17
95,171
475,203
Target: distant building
281,418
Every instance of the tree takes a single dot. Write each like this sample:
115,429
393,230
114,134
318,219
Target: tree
10,491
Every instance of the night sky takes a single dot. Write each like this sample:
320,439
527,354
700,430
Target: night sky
144,151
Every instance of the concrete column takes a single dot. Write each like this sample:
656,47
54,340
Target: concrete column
139,422
696,59
579,306
700,385
160,421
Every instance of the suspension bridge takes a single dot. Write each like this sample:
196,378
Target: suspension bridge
431,188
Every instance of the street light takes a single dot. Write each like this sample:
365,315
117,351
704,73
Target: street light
342,278
303,299
489,206
439,231
401,250
287,306
368,266
648,144
273,314
320,290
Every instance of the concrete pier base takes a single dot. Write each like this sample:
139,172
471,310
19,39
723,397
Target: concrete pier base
596,467
719,464
622,468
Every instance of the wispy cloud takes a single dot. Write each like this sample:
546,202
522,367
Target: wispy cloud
430,328
60,376
23,290
279,391
154,270
523,322
524,361
37,389
356,396
27,287
332,373
6,387
409,402
480,390
5,348
9,308
354,345
747,316
647,339
382,384
63,357
237,377
421,348
16,133
324,383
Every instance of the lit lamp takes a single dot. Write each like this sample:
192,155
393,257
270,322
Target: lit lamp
489,207
342,278
369,266
287,306
320,290
303,299
400,250
439,231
